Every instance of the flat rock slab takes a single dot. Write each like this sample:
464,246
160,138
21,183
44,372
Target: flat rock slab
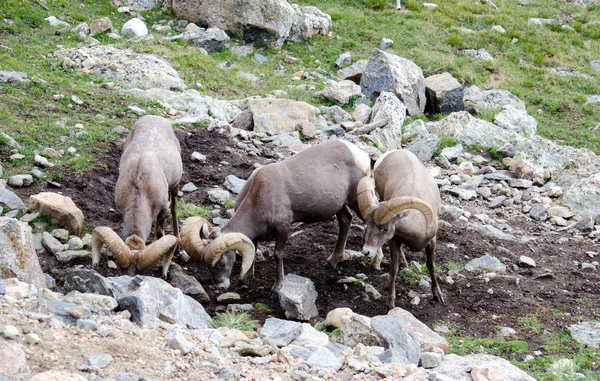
586,333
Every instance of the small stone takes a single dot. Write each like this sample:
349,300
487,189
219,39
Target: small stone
178,341
525,261
11,331
86,324
229,297
197,156
32,338
136,110
385,43
507,331
189,187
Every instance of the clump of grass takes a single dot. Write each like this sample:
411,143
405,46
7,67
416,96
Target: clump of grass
239,320
185,209
262,308
444,142
229,204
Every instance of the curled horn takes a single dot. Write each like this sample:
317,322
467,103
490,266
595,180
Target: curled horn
387,210
191,240
103,235
366,196
230,241
161,249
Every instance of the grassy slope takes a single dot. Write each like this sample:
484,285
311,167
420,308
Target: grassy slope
433,40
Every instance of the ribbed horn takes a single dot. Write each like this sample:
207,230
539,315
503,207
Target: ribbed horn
161,249
366,196
387,210
191,241
103,235
230,241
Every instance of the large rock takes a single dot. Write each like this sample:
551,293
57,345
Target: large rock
143,5
160,300
583,195
211,39
134,28
280,115
353,72
308,22
324,358
13,363
266,22
388,72
425,336
357,329
340,92
477,100
188,284
515,120
13,76
89,281
297,297
129,69
470,131
444,93
18,258
586,333
61,210
280,332
458,368
388,110
486,263
196,107
395,335
10,200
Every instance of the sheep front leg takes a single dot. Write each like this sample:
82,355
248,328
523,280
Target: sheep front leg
160,223
280,240
173,193
435,287
396,253
344,218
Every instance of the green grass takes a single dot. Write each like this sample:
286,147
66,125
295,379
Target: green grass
262,308
229,204
185,209
239,320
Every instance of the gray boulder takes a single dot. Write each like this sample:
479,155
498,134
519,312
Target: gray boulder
386,72
280,332
586,333
89,281
357,329
266,22
394,335
476,99
14,363
353,72
211,39
196,107
324,358
297,297
458,368
143,5
18,258
10,200
134,28
444,93
234,184
390,113
129,69
160,300
187,283
340,92
486,263
515,120
308,21
468,130
13,76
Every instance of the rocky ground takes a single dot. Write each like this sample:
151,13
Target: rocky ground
497,266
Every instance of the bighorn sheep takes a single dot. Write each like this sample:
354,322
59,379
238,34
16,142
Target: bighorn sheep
408,213
311,186
149,174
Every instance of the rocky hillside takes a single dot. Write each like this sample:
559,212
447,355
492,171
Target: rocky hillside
517,246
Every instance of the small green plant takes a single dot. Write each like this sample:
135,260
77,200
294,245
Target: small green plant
262,308
234,320
531,323
229,204
493,151
185,209
444,142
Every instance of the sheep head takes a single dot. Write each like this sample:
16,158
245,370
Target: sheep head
219,254
133,252
381,218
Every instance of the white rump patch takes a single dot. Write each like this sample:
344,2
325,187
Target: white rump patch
361,158
382,157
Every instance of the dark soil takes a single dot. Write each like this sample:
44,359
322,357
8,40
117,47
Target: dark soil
476,307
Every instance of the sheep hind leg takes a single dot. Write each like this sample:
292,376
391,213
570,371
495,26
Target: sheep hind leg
280,240
344,218
396,253
435,287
